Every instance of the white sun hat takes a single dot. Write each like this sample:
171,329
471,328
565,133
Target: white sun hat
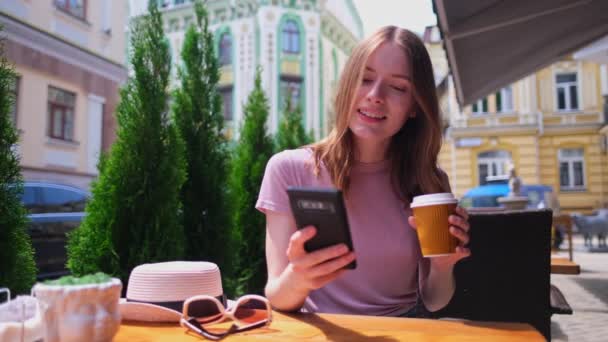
156,292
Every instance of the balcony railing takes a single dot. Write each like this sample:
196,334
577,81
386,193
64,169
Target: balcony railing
495,120
529,119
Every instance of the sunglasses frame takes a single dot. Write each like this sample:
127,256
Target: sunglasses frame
193,324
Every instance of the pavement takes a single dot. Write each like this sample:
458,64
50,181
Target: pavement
587,294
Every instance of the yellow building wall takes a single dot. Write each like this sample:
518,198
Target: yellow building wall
591,87
535,151
463,178
536,162
593,195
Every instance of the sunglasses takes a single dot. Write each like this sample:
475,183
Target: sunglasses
249,312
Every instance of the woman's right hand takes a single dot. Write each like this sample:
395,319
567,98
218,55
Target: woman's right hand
311,271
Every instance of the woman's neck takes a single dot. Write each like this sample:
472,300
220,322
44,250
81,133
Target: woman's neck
368,151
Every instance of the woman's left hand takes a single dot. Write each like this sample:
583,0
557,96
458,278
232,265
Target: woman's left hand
459,227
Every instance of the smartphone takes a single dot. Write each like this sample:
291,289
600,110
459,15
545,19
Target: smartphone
323,208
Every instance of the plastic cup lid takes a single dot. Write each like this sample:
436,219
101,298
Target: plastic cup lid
433,199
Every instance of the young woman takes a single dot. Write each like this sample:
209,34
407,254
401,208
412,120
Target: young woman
381,153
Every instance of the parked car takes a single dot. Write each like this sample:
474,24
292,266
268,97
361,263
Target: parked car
53,211
539,196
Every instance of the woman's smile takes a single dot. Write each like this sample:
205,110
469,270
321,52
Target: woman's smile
371,116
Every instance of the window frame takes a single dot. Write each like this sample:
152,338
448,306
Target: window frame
570,161
502,95
567,87
51,107
289,80
66,9
481,103
498,163
290,37
225,49
223,91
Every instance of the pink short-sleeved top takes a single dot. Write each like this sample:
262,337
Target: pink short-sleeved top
387,249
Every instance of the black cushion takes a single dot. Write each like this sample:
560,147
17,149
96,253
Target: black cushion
507,276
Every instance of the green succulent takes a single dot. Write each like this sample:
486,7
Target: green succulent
96,278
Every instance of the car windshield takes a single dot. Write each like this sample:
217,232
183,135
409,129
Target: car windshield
485,201
535,196
52,198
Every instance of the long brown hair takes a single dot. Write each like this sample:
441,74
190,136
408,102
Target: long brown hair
414,149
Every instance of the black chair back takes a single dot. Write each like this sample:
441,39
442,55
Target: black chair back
507,277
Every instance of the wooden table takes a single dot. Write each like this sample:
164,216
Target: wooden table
346,328
564,266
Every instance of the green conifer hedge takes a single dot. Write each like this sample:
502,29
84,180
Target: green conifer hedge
291,133
133,217
197,108
254,149
17,266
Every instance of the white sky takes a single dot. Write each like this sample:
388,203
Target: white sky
414,15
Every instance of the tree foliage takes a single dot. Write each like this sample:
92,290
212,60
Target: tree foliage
197,109
133,216
291,133
252,152
17,266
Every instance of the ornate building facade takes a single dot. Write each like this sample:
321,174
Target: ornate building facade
301,46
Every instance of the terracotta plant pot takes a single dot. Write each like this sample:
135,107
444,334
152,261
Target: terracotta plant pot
80,312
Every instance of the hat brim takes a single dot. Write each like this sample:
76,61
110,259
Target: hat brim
144,312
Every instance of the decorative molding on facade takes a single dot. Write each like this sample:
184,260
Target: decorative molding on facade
337,32
255,27
48,44
306,5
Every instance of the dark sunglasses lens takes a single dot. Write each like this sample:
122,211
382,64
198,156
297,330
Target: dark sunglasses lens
251,311
204,310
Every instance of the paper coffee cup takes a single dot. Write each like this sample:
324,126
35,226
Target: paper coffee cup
431,213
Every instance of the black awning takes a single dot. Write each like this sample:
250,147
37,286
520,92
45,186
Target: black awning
492,43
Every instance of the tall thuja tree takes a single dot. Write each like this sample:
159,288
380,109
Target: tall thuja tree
133,217
197,108
17,267
251,154
291,133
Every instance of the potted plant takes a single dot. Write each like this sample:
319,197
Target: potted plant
80,306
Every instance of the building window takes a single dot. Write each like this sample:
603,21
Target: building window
567,92
504,100
76,8
174,25
187,22
291,37
481,106
291,87
493,165
226,93
14,88
225,49
571,169
61,105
